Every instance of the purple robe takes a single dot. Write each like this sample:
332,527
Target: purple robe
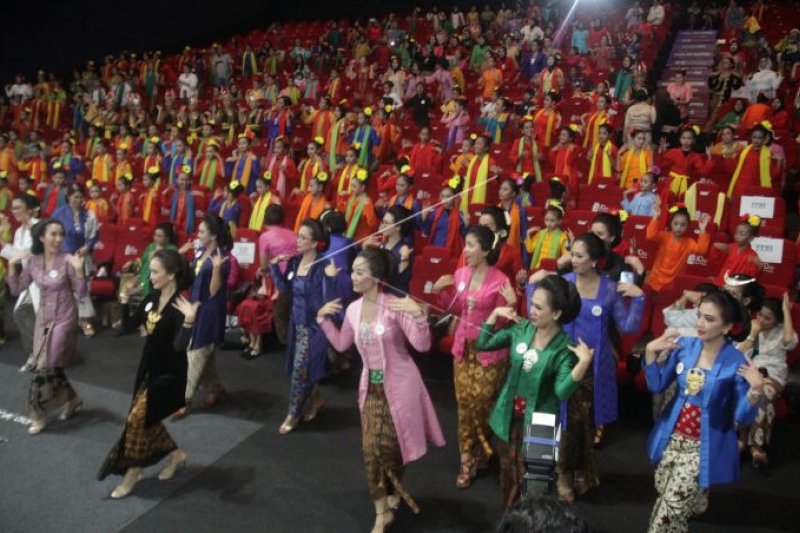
592,325
58,309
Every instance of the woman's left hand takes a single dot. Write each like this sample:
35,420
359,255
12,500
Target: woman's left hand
77,261
406,305
331,270
217,260
751,373
629,290
582,351
188,309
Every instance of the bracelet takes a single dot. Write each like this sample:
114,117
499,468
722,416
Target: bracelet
188,324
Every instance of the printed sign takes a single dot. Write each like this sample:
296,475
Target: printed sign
769,250
244,252
763,206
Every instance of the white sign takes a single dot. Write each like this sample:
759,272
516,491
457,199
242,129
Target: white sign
763,206
244,252
769,250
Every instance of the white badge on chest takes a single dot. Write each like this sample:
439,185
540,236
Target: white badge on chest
290,276
53,273
679,368
521,347
597,310
462,286
379,329
148,307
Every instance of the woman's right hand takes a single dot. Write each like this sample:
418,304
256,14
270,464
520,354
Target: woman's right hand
664,342
539,275
508,313
330,308
279,259
442,283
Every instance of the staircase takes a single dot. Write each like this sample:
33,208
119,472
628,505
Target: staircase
693,51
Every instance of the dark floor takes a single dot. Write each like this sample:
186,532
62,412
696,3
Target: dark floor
312,480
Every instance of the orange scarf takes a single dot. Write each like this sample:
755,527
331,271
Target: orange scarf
310,208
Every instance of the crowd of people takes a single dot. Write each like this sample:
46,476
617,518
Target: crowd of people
354,148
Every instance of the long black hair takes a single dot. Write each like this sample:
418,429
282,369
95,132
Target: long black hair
220,230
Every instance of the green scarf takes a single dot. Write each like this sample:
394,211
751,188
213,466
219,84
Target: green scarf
363,154
555,246
351,228
334,143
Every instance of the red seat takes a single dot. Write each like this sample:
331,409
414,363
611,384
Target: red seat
433,263
770,226
602,197
103,255
245,249
780,259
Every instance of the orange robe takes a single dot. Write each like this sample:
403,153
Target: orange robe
672,253
310,208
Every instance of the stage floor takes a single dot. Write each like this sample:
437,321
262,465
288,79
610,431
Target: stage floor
243,476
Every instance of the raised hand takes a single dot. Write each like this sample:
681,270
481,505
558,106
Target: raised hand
582,351
406,305
751,374
443,282
539,275
217,260
331,270
664,342
77,261
508,313
188,309
330,308
629,290
509,294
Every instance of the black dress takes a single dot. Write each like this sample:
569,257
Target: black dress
158,390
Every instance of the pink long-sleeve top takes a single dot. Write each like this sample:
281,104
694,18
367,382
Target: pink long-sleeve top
414,417
473,307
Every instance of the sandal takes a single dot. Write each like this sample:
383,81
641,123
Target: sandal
183,412
564,487
466,474
599,436
759,457
72,407
384,523
288,426
36,426
315,409
88,330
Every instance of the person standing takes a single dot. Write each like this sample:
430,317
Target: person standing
311,282
59,277
160,381
397,415
210,270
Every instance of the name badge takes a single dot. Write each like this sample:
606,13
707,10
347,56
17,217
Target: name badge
149,306
597,310
679,368
290,276
462,286
521,348
379,329
53,273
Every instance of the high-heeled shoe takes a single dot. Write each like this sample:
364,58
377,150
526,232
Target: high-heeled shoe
125,488
72,407
36,426
759,457
215,396
288,425
564,487
383,520
183,412
315,409
172,468
466,474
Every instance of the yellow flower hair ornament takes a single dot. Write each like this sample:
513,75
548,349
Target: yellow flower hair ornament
454,182
56,166
367,111
186,169
620,213
4,174
153,171
319,140
154,139
322,177
405,169
267,175
751,220
362,175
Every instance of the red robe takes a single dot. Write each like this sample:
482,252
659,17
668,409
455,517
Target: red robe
683,166
737,262
523,162
425,159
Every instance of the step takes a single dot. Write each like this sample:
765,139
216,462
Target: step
683,34
693,62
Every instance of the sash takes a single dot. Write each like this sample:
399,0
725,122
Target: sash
606,162
552,250
353,218
333,143
259,210
551,120
480,173
304,166
535,152
593,128
642,166
242,171
764,160
562,158
407,202
363,154
188,207
100,169
249,60
208,173
454,241
311,208
148,204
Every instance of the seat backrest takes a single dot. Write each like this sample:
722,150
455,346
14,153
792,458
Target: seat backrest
105,246
771,210
434,263
245,249
779,258
132,239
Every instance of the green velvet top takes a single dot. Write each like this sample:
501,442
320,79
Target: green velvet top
547,382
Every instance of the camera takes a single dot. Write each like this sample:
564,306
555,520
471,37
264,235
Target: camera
540,447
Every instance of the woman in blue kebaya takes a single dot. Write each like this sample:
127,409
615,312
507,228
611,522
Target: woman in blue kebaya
694,443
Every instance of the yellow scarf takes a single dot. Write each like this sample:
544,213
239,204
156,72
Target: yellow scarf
593,128
481,174
642,166
304,176
259,210
606,161
344,178
551,120
764,159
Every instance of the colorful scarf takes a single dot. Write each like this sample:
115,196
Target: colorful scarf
477,175
606,162
764,160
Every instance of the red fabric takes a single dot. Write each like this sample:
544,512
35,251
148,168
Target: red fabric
688,423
